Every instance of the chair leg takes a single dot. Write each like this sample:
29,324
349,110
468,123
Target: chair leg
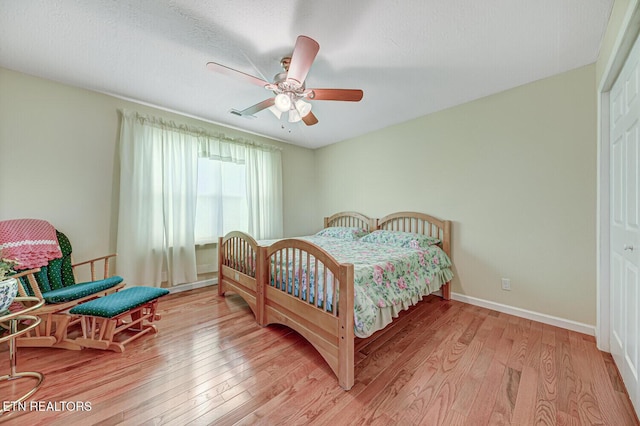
99,332
51,333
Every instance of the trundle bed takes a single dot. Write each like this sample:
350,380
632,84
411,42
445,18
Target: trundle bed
371,269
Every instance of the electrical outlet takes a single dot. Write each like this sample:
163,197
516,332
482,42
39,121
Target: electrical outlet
506,284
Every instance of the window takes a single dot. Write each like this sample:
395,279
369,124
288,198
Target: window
221,204
181,186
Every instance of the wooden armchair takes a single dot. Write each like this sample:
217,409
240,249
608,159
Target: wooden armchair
57,285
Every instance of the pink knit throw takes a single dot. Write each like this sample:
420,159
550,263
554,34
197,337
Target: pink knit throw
32,242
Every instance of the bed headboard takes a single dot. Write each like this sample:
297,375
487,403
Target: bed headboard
353,219
419,223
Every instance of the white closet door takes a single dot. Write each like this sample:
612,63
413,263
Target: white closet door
625,224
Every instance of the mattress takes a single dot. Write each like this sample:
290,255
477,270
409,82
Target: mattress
387,279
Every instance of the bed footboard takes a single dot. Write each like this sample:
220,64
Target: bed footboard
238,268
302,284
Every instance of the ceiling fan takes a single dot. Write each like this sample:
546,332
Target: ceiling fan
289,86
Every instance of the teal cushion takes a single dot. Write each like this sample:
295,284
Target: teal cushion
77,291
117,303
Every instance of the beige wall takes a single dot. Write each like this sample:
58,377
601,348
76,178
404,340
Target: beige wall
58,146
515,172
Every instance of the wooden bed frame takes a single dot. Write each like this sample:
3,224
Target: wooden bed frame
353,219
245,269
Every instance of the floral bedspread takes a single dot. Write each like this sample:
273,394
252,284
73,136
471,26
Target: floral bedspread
387,279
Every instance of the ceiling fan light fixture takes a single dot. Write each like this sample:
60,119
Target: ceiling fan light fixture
303,108
294,116
283,102
275,111
288,87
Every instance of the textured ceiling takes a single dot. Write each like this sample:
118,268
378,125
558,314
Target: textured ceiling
411,58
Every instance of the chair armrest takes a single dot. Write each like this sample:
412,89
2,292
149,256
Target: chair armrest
93,262
29,273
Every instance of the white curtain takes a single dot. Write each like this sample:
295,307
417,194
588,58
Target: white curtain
264,193
158,178
159,192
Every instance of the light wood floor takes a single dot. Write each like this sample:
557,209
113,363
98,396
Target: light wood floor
441,363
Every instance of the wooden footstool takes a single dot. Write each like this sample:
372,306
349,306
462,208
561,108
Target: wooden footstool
103,318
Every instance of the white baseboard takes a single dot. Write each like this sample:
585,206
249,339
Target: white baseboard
530,315
193,286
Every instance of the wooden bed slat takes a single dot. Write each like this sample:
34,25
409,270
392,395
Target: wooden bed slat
351,219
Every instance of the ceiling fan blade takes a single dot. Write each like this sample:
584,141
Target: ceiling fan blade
310,119
351,95
235,74
255,108
303,55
